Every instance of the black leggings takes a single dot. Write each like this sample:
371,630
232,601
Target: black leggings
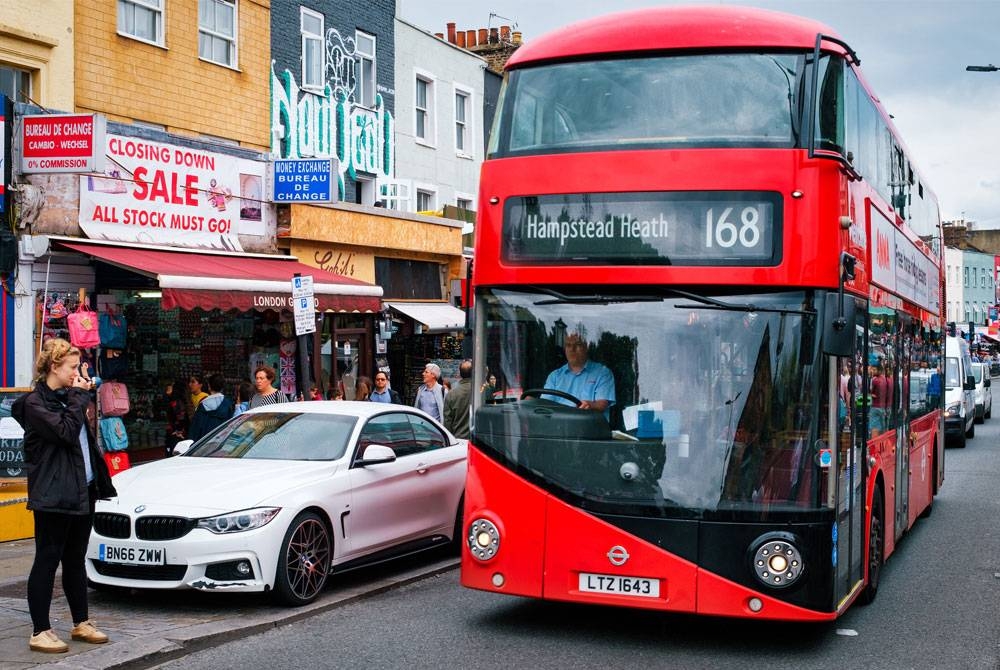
59,538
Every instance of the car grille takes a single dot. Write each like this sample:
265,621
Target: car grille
111,525
159,573
163,527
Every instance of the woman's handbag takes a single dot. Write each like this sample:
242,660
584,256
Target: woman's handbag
113,434
113,330
83,328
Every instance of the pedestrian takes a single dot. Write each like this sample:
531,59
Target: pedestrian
364,389
178,418
196,387
213,411
430,395
314,393
458,403
66,476
263,380
383,392
243,394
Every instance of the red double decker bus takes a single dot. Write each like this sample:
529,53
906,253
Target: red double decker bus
708,324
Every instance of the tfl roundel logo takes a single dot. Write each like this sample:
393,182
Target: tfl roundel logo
617,555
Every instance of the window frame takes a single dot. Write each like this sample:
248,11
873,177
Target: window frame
424,189
361,95
429,138
467,151
304,37
233,42
158,7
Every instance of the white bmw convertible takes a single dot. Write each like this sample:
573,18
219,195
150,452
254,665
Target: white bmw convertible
280,497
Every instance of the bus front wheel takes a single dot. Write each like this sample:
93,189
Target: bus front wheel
876,550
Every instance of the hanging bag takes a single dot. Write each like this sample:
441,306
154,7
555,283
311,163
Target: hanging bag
112,364
113,330
113,397
83,329
113,434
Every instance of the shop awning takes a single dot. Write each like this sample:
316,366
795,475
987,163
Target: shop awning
233,281
436,317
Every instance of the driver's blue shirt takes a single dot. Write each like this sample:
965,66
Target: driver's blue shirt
593,382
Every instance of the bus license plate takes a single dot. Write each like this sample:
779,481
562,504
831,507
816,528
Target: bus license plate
113,553
619,585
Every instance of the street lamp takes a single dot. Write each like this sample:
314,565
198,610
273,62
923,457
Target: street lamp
982,68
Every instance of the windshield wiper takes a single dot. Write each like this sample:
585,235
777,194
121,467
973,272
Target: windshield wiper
712,303
594,299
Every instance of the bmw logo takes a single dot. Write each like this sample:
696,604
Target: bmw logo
140,509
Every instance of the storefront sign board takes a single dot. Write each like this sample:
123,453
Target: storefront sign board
62,143
158,193
303,180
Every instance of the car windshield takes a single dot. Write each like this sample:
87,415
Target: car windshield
286,436
977,372
704,100
712,398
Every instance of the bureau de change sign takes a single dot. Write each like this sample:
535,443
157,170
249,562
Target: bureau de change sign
62,143
304,180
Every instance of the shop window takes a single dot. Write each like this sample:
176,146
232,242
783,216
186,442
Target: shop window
217,31
401,278
313,63
141,20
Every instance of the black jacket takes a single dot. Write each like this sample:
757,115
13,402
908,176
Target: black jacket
57,477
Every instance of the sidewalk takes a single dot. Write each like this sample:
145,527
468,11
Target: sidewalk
152,627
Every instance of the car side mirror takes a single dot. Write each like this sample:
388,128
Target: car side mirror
182,447
376,454
970,383
986,382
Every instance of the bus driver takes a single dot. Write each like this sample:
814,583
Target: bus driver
584,379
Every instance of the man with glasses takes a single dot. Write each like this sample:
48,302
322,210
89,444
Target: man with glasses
382,392
590,382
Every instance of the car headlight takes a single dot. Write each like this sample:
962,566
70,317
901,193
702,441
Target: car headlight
237,522
954,410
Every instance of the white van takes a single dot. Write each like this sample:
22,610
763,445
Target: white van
959,392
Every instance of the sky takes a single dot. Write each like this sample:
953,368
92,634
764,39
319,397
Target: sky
913,54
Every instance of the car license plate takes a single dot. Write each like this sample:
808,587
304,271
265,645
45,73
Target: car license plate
114,553
619,585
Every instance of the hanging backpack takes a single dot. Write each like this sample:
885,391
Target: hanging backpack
113,397
83,328
112,364
113,330
113,434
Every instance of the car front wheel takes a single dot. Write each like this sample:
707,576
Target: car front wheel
304,561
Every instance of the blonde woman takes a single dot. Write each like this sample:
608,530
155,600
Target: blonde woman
66,475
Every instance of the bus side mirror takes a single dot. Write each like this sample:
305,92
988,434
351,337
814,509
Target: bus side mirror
839,323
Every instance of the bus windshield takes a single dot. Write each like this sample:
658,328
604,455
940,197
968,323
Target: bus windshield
710,399
704,100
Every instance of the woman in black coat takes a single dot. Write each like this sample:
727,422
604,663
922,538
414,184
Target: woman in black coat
66,475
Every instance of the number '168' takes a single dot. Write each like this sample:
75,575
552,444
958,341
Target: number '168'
724,233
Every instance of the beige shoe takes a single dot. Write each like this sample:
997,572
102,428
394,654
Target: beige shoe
48,643
87,632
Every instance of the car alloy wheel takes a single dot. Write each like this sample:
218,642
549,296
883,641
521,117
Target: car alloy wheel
304,562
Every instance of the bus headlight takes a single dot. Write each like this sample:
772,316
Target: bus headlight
777,562
483,539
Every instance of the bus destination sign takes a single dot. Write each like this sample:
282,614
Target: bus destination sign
651,228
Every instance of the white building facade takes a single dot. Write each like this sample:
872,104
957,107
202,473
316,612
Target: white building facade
439,133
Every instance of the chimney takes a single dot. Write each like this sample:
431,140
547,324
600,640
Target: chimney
494,35
516,37
505,33
483,36
470,38
451,32
460,39
440,36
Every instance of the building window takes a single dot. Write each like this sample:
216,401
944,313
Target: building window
15,83
464,204
425,201
141,19
313,53
424,120
217,31
461,124
365,53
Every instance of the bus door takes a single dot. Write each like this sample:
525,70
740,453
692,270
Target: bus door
901,376
850,376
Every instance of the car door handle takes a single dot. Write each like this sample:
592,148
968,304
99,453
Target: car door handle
422,468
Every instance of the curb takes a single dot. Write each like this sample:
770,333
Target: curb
151,651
